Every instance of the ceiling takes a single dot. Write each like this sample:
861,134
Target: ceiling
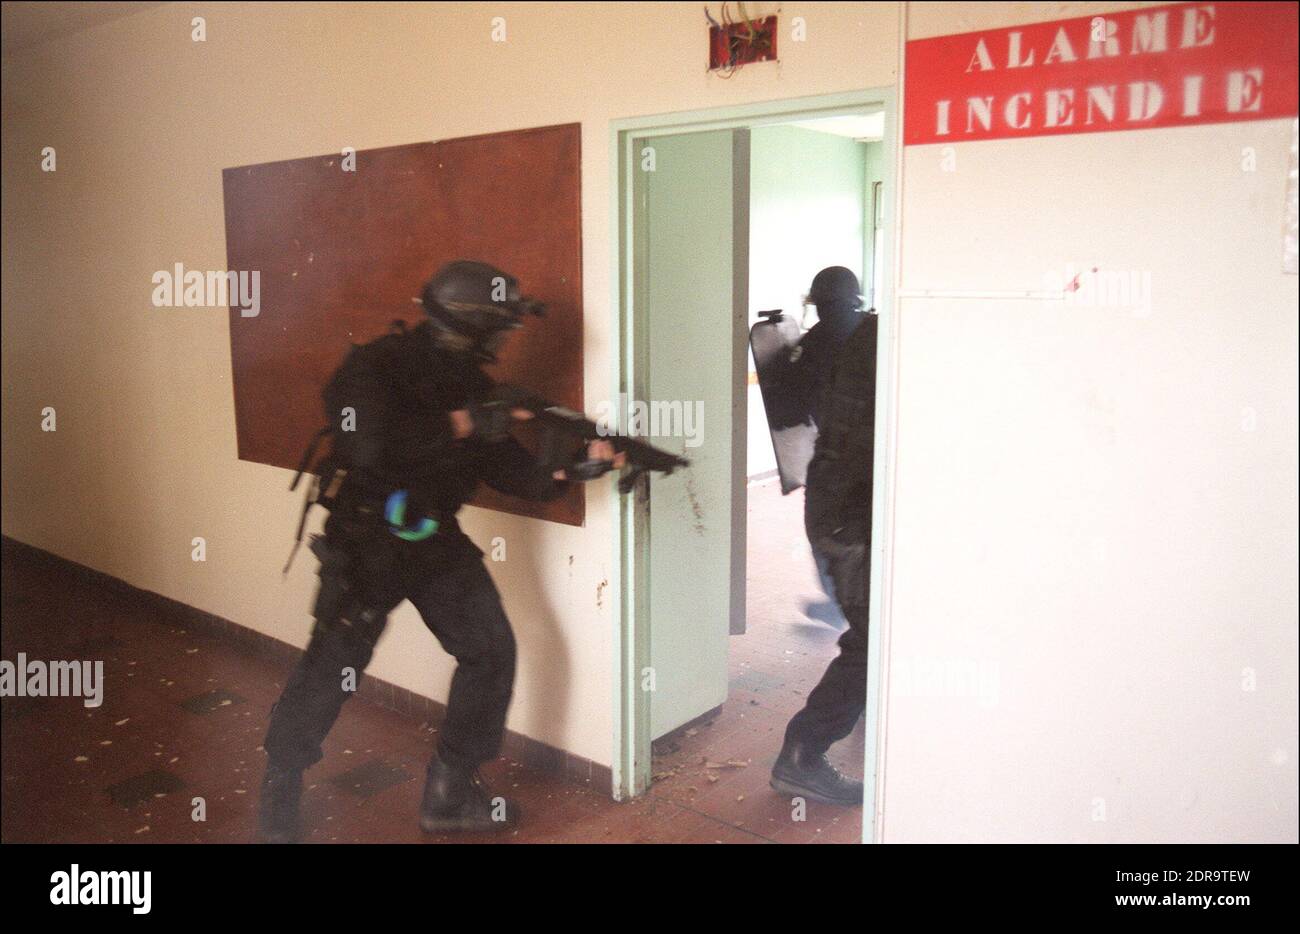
862,127
25,24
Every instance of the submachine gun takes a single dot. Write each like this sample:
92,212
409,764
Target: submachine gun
565,435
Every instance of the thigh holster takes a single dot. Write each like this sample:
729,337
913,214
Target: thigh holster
341,607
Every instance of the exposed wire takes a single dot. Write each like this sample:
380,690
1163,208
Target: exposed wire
732,40
728,68
749,23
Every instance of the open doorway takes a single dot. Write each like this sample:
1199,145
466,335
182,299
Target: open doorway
726,626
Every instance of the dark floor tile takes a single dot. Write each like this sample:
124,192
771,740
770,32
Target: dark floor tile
14,708
209,701
144,787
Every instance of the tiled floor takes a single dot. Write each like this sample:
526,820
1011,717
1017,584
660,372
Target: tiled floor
183,718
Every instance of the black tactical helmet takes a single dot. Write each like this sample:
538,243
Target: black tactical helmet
835,287
473,305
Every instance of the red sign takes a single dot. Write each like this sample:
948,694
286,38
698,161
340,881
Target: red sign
1162,66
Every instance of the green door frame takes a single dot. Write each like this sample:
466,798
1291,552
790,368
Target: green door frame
631,765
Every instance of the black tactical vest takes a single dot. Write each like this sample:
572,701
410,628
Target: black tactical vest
839,477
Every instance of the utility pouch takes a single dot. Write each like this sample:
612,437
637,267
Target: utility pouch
335,577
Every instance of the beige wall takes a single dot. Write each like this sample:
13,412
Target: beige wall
1096,506
144,119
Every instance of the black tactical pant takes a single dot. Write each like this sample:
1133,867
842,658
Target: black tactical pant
840,698
365,573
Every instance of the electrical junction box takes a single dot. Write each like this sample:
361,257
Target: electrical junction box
734,44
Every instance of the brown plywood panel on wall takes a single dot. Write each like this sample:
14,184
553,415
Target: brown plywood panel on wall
342,254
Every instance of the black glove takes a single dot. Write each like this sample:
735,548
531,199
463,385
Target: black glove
585,470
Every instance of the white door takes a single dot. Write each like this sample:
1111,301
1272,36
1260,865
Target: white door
691,203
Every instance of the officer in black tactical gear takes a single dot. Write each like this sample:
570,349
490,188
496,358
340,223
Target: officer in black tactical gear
835,294
839,367
414,456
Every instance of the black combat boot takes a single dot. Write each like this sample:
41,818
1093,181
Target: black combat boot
800,772
457,800
277,812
